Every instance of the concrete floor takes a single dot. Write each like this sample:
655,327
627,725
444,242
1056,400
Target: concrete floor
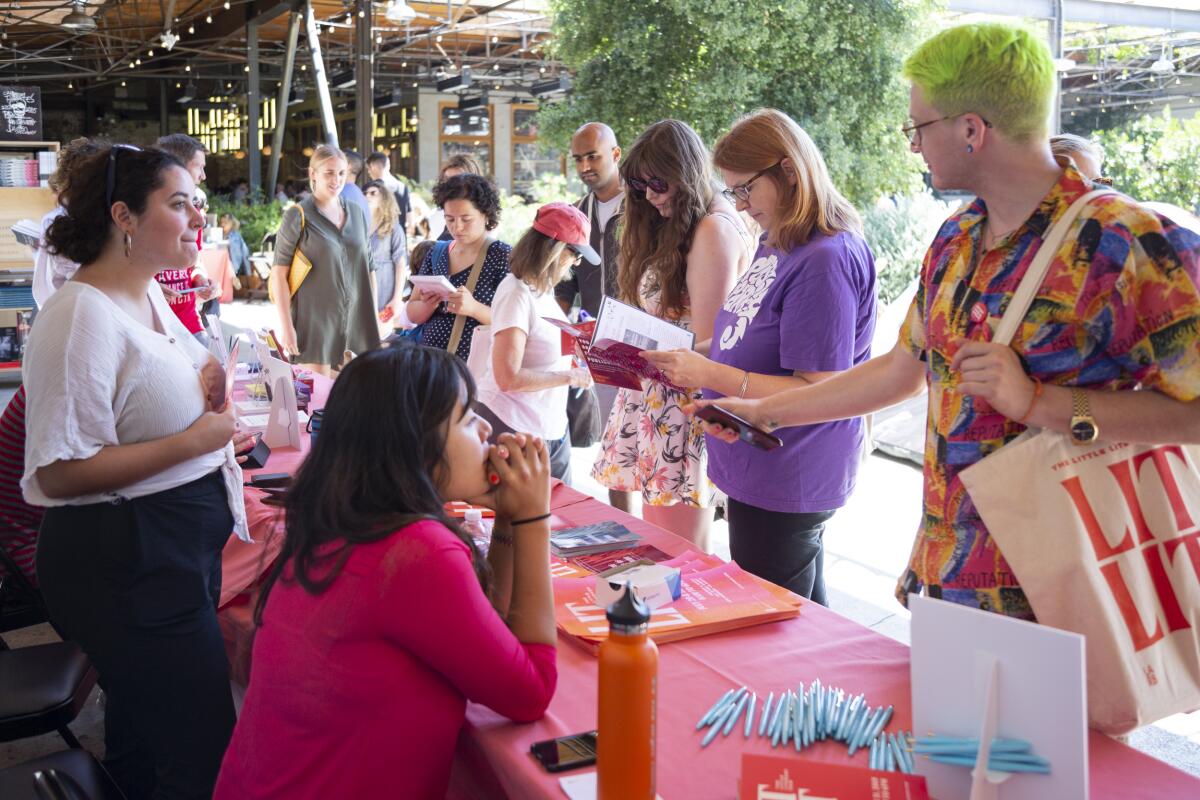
867,546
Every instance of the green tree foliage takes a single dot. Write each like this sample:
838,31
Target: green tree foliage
833,65
1155,158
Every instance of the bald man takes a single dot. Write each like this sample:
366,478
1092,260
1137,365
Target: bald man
596,154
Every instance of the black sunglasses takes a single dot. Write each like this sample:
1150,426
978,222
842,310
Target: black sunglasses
111,185
657,184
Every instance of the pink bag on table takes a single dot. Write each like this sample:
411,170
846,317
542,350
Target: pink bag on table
1105,541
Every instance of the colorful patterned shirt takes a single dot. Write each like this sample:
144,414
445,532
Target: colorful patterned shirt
1119,307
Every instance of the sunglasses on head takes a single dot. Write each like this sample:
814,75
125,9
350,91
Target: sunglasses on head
657,184
111,184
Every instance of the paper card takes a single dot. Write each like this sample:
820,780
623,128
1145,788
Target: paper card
1041,695
792,778
582,786
283,428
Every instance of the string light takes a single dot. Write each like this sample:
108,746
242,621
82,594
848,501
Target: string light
150,54
246,68
191,28
187,67
226,5
208,19
122,83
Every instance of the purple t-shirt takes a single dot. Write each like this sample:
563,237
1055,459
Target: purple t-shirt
811,309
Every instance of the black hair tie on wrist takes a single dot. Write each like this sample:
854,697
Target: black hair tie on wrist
514,523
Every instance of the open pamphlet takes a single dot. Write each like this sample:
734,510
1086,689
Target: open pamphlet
611,344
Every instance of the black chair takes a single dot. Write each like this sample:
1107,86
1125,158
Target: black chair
67,775
42,689
20,601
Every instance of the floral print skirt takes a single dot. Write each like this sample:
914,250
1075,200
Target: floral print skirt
652,446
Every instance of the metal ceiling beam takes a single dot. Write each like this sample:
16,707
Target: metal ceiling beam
1087,11
281,104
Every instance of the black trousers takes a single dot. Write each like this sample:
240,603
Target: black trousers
560,450
785,548
136,584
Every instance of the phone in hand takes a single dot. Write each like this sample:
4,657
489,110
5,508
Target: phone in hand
748,433
566,752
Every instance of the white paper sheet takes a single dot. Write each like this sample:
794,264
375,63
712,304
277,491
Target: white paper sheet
620,322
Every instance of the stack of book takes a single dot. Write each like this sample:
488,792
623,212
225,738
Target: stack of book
18,172
716,596
590,539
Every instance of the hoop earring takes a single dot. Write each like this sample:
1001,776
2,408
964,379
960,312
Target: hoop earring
128,245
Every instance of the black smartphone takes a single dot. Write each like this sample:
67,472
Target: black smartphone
745,431
566,752
270,480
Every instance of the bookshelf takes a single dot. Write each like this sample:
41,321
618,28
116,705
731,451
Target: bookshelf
16,261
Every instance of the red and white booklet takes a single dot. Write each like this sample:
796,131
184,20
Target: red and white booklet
784,778
611,344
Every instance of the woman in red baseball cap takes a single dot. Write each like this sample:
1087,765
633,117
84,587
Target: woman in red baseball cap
523,376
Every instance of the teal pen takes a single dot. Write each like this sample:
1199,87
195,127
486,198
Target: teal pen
856,722
904,751
995,765
720,712
874,759
1014,744
830,704
819,716
766,712
836,704
780,719
810,716
737,712
779,704
750,715
866,723
969,748
797,722
898,749
873,726
719,722
708,715
712,734
889,758
879,726
789,713
844,727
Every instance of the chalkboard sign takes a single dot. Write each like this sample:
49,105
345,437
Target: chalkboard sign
20,113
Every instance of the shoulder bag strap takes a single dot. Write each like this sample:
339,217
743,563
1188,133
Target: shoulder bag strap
460,320
1014,315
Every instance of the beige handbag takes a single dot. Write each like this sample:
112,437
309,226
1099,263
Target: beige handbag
300,267
460,321
1105,541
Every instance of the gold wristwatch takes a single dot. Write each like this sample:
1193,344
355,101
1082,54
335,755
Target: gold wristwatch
1084,429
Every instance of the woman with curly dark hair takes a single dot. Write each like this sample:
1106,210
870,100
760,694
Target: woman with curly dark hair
472,261
128,448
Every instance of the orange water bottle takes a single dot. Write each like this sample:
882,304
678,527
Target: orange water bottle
625,746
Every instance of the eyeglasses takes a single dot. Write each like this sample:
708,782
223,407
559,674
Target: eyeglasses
657,184
1103,180
111,185
913,131
742,190
578,256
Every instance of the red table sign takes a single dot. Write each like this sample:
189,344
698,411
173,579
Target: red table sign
777,778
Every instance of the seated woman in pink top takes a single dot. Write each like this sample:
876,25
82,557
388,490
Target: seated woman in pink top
382,618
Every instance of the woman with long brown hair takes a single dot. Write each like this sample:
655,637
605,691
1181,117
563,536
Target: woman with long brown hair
804,311
682,248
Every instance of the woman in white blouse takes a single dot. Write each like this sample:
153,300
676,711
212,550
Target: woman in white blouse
128,444
522,385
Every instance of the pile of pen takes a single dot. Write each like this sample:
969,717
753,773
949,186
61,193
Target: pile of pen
802,717
1005,755
890,753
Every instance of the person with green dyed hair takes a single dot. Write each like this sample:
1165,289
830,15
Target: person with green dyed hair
1119,307
1002,73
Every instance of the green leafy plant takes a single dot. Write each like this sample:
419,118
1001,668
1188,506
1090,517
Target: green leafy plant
257,219
1155,158
833,66
899,232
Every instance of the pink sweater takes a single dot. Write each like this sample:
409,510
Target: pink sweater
360,691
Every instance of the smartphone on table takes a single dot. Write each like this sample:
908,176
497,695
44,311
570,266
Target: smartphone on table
748,433
566,752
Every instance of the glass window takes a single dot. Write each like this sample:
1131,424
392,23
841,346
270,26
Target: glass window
525,121
531,160
473,122
481,152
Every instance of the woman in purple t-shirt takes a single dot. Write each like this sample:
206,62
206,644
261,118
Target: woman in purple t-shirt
804,311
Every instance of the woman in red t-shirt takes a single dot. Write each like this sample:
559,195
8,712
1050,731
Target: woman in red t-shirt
381,618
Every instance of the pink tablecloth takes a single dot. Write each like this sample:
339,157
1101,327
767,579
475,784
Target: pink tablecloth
219,269
494,759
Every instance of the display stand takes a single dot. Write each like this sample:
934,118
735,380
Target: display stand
981,675
283,427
